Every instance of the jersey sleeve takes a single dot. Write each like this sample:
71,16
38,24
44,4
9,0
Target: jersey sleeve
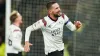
69,24
16,40
37,25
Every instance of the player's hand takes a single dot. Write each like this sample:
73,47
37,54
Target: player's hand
78,24
27,46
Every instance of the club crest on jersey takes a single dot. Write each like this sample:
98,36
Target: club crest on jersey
61,22
49,26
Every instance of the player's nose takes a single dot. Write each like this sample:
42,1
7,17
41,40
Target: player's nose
59,9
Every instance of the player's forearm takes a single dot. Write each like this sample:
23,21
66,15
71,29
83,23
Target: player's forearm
71,26
27,33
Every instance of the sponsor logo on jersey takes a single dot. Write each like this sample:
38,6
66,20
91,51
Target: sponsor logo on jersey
56,32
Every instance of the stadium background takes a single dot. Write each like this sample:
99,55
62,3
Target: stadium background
2,27
84,42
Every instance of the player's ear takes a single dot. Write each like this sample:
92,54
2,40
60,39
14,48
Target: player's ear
49,11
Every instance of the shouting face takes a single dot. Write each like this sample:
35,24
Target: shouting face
55,10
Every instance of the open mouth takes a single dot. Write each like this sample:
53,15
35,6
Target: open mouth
59,13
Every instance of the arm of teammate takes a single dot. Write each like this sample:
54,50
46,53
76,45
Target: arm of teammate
70,25
15,42
33,27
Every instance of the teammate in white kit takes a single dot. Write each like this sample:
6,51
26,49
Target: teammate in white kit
14,35
52,29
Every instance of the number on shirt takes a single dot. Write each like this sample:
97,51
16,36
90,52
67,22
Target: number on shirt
9,42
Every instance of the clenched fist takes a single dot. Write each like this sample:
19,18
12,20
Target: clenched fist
78,24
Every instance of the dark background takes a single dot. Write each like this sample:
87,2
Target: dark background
2,21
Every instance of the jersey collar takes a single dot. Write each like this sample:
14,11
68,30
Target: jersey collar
52,19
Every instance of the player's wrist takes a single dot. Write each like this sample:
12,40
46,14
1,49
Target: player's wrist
26,42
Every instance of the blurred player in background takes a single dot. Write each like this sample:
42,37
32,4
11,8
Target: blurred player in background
52,29
14,36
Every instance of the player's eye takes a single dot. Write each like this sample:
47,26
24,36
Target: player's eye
56,7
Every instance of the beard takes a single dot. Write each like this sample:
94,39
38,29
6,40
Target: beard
55,15
58,15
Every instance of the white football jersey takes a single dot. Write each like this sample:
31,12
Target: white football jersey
52,32
13,40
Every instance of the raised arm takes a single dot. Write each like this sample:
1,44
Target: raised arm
70,25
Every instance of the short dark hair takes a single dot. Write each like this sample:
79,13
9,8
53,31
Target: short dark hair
49,4
13,16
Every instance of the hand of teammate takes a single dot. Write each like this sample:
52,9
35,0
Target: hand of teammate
27,46
78,24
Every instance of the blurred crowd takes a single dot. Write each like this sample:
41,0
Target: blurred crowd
2,27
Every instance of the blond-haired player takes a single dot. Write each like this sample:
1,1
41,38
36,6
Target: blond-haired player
14,35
